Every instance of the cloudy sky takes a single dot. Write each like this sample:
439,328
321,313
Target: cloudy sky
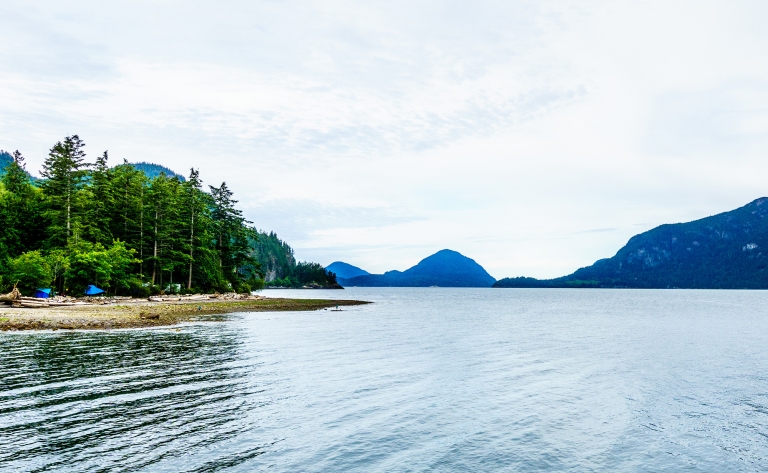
532,136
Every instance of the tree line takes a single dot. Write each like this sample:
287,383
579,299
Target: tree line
280,268
114,227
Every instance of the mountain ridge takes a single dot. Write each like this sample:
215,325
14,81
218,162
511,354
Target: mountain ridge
722,251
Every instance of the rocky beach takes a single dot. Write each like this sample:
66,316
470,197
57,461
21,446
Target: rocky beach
153,312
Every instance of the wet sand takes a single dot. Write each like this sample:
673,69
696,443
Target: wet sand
148,314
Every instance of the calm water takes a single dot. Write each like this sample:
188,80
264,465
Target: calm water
423,380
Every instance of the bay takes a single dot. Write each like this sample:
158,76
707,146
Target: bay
424,379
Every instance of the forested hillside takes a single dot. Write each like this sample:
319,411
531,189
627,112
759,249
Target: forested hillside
116,227
280,268
153,170
724,251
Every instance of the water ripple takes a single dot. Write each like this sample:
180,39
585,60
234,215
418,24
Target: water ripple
423,380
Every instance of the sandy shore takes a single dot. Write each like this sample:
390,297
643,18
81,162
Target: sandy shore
147,314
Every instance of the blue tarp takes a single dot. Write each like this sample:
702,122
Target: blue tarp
92,290
42,293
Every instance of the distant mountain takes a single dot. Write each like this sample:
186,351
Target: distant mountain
6,158
445,268
725,251
153,170
345,271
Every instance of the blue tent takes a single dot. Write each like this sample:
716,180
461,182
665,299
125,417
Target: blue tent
42,293
92,290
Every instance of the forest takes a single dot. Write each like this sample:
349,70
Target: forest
723,251
131,231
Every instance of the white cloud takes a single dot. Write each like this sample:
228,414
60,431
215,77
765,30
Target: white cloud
378,133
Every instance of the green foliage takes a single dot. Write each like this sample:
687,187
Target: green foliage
20,210
128,233
273,254
279,267
137,289
59,263
152,170
64,173
232,238
7,158
88,264
306,275
120,259
97,214
31,270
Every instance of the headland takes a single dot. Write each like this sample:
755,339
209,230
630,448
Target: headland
138,313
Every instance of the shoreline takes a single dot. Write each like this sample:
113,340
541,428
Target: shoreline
148,314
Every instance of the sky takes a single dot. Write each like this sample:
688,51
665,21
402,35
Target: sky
534,137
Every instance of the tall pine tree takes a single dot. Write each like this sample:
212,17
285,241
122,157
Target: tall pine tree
64,172
127,222
100,202
23,227
232,233
198,222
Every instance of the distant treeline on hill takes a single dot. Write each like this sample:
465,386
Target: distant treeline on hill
132,229
724,251
280,268
152,170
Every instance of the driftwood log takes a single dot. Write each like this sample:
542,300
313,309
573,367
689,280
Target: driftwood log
11,296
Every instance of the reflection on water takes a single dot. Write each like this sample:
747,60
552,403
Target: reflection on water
422,380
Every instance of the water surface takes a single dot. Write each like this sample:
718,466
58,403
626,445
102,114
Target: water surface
427,379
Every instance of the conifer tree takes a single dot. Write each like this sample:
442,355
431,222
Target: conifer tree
167,242
197,220
16,183
20,216
63,173
100,203
232,232
16,178
127,213
101,225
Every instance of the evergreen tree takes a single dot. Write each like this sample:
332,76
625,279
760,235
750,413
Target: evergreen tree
100,203
167,241
127,221
198,221
232,233
16,178
20,216
64,173
118,228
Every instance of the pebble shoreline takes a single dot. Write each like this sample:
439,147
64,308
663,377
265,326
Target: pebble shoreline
148,314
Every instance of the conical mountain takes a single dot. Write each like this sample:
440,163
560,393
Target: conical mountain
446,268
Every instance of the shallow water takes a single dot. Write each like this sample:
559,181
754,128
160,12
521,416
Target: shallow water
422,380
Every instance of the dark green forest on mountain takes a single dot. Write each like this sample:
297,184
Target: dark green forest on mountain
724,251
129,230
280,268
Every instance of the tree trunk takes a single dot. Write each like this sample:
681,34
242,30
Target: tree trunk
69,207
141,234
191,247
11,296
154,261
125,209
